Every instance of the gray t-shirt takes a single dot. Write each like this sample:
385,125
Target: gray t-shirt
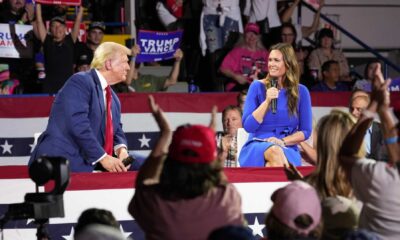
192,219
377,185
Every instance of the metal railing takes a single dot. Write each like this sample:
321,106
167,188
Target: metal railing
386,62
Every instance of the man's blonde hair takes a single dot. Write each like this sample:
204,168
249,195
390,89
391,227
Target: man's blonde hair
105,51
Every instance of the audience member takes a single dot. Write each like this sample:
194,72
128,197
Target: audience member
136,82
375,183
170,12
293,218
289,36
265,14
302,31
58,48
218,19
330,78
84,51
329,178
277,113
243,63
85,120
182,193
95,216
325,52
373,141
365,84
17,11
227,144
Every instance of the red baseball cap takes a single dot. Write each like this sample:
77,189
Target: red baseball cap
193,144
252,27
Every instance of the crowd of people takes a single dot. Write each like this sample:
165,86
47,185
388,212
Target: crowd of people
235,40
351,192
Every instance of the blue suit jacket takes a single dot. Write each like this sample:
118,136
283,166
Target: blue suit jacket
76,127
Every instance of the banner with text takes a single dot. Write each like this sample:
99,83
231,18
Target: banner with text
61,2
157,46
19,46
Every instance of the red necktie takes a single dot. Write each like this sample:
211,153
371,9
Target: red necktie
108,144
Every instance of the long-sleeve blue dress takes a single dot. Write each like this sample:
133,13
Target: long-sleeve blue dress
279,125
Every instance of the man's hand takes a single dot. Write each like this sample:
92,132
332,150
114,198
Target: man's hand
112,164
122,153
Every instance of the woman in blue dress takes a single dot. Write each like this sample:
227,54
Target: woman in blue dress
273,137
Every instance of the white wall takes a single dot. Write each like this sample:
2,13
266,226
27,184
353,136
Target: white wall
374,22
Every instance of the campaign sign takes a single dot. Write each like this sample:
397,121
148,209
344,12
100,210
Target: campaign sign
18,47
157,46
61,2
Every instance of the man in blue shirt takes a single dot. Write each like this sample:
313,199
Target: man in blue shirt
330,78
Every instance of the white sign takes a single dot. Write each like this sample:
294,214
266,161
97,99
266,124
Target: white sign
19,46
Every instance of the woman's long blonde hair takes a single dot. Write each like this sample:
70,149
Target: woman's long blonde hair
292,76
329,178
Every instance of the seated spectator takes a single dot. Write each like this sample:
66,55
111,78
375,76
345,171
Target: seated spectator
95,216
231,121
325,52
58,49
373,142
94,36
365,84
243,63
136,82
330,78
181,191
293,218
375,183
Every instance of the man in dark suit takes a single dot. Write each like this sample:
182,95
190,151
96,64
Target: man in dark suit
374,142
77,127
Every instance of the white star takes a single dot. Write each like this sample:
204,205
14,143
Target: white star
6,147
71,235
144,141
32,146
126,234
257,228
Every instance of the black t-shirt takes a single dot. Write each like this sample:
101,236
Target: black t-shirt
6,16
59,62
83,53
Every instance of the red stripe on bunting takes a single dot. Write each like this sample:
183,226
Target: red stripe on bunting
106,180
25,107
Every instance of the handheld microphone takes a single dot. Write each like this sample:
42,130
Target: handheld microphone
274,101
128,160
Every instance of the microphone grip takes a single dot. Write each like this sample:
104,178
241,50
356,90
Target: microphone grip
274,101
273,105
128,160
